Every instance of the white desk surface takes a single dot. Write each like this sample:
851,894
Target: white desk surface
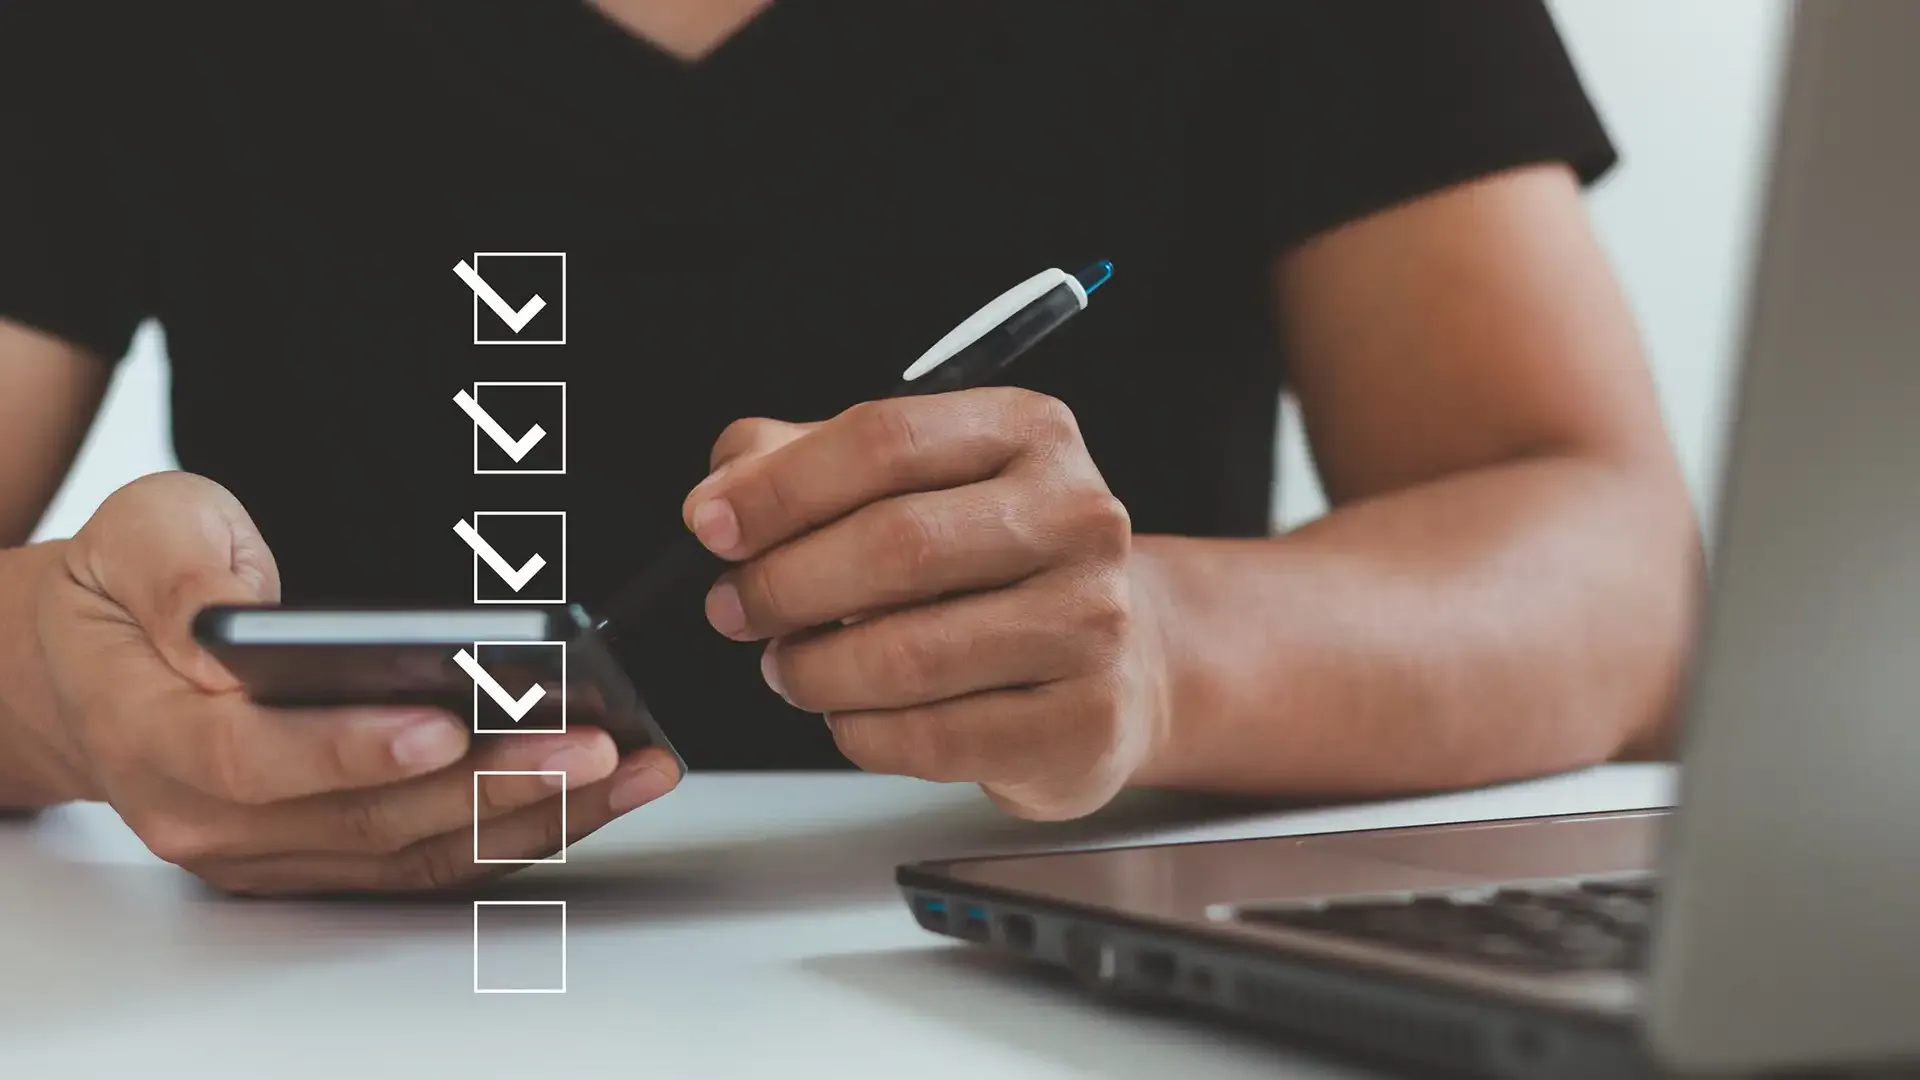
747,925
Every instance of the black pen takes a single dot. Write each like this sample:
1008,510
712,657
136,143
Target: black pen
970,355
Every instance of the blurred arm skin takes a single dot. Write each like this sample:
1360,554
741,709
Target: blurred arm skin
1505,583
49,393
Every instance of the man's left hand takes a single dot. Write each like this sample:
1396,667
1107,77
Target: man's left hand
948,581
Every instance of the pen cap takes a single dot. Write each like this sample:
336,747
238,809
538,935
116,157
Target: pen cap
978,362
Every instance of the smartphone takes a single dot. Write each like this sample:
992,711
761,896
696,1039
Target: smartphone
504,669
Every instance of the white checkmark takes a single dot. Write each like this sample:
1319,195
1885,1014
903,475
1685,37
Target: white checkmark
515,579
515,448
516,320
514,708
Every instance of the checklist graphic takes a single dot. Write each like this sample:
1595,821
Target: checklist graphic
519,556
519,297
518,686
519,428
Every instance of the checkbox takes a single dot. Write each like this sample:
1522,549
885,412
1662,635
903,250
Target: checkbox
479,829
519,687
519,428
519,946
519,556
519,297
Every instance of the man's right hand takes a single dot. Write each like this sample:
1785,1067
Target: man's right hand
271,801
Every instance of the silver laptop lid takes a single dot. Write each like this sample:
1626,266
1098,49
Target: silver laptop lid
1790,928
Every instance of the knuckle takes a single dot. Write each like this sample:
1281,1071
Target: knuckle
768,504
735,439
932,751
344,757
1105,611
765,593
889,432
854,736
790,667
909,661
1102,524
1047,420
501,795
913,539
553,835
487,795
879,743
365,824
434,867
809,676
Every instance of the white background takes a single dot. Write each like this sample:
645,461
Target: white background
1686,89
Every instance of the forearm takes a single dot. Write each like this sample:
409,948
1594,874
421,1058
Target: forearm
33,771
1502,623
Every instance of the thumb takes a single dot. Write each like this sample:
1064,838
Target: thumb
167,545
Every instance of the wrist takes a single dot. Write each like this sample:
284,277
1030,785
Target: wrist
38,766
1153,617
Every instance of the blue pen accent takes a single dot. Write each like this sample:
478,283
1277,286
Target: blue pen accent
1095,276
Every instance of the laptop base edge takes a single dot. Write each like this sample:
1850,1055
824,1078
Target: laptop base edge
1348,1013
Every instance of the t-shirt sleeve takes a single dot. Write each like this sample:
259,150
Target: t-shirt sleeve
70,259
1372,103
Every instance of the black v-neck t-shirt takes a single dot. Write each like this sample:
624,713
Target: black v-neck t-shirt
775,230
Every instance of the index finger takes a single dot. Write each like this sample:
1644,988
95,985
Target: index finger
870,452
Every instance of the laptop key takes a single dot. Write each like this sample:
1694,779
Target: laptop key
1598,926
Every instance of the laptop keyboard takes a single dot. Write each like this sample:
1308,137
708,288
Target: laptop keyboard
1596,925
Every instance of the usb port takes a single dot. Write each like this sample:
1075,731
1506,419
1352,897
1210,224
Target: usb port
1017,931
1156,967
931,912
973,923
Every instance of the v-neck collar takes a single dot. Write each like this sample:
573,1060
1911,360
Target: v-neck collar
716,54
790,56
754,130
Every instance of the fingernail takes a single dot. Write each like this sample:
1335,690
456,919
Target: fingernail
642,786
724,610
577,764
770,671
428,745
716,526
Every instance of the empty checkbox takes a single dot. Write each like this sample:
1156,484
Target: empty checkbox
503,840
519,946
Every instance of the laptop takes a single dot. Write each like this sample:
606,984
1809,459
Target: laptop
1768,922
